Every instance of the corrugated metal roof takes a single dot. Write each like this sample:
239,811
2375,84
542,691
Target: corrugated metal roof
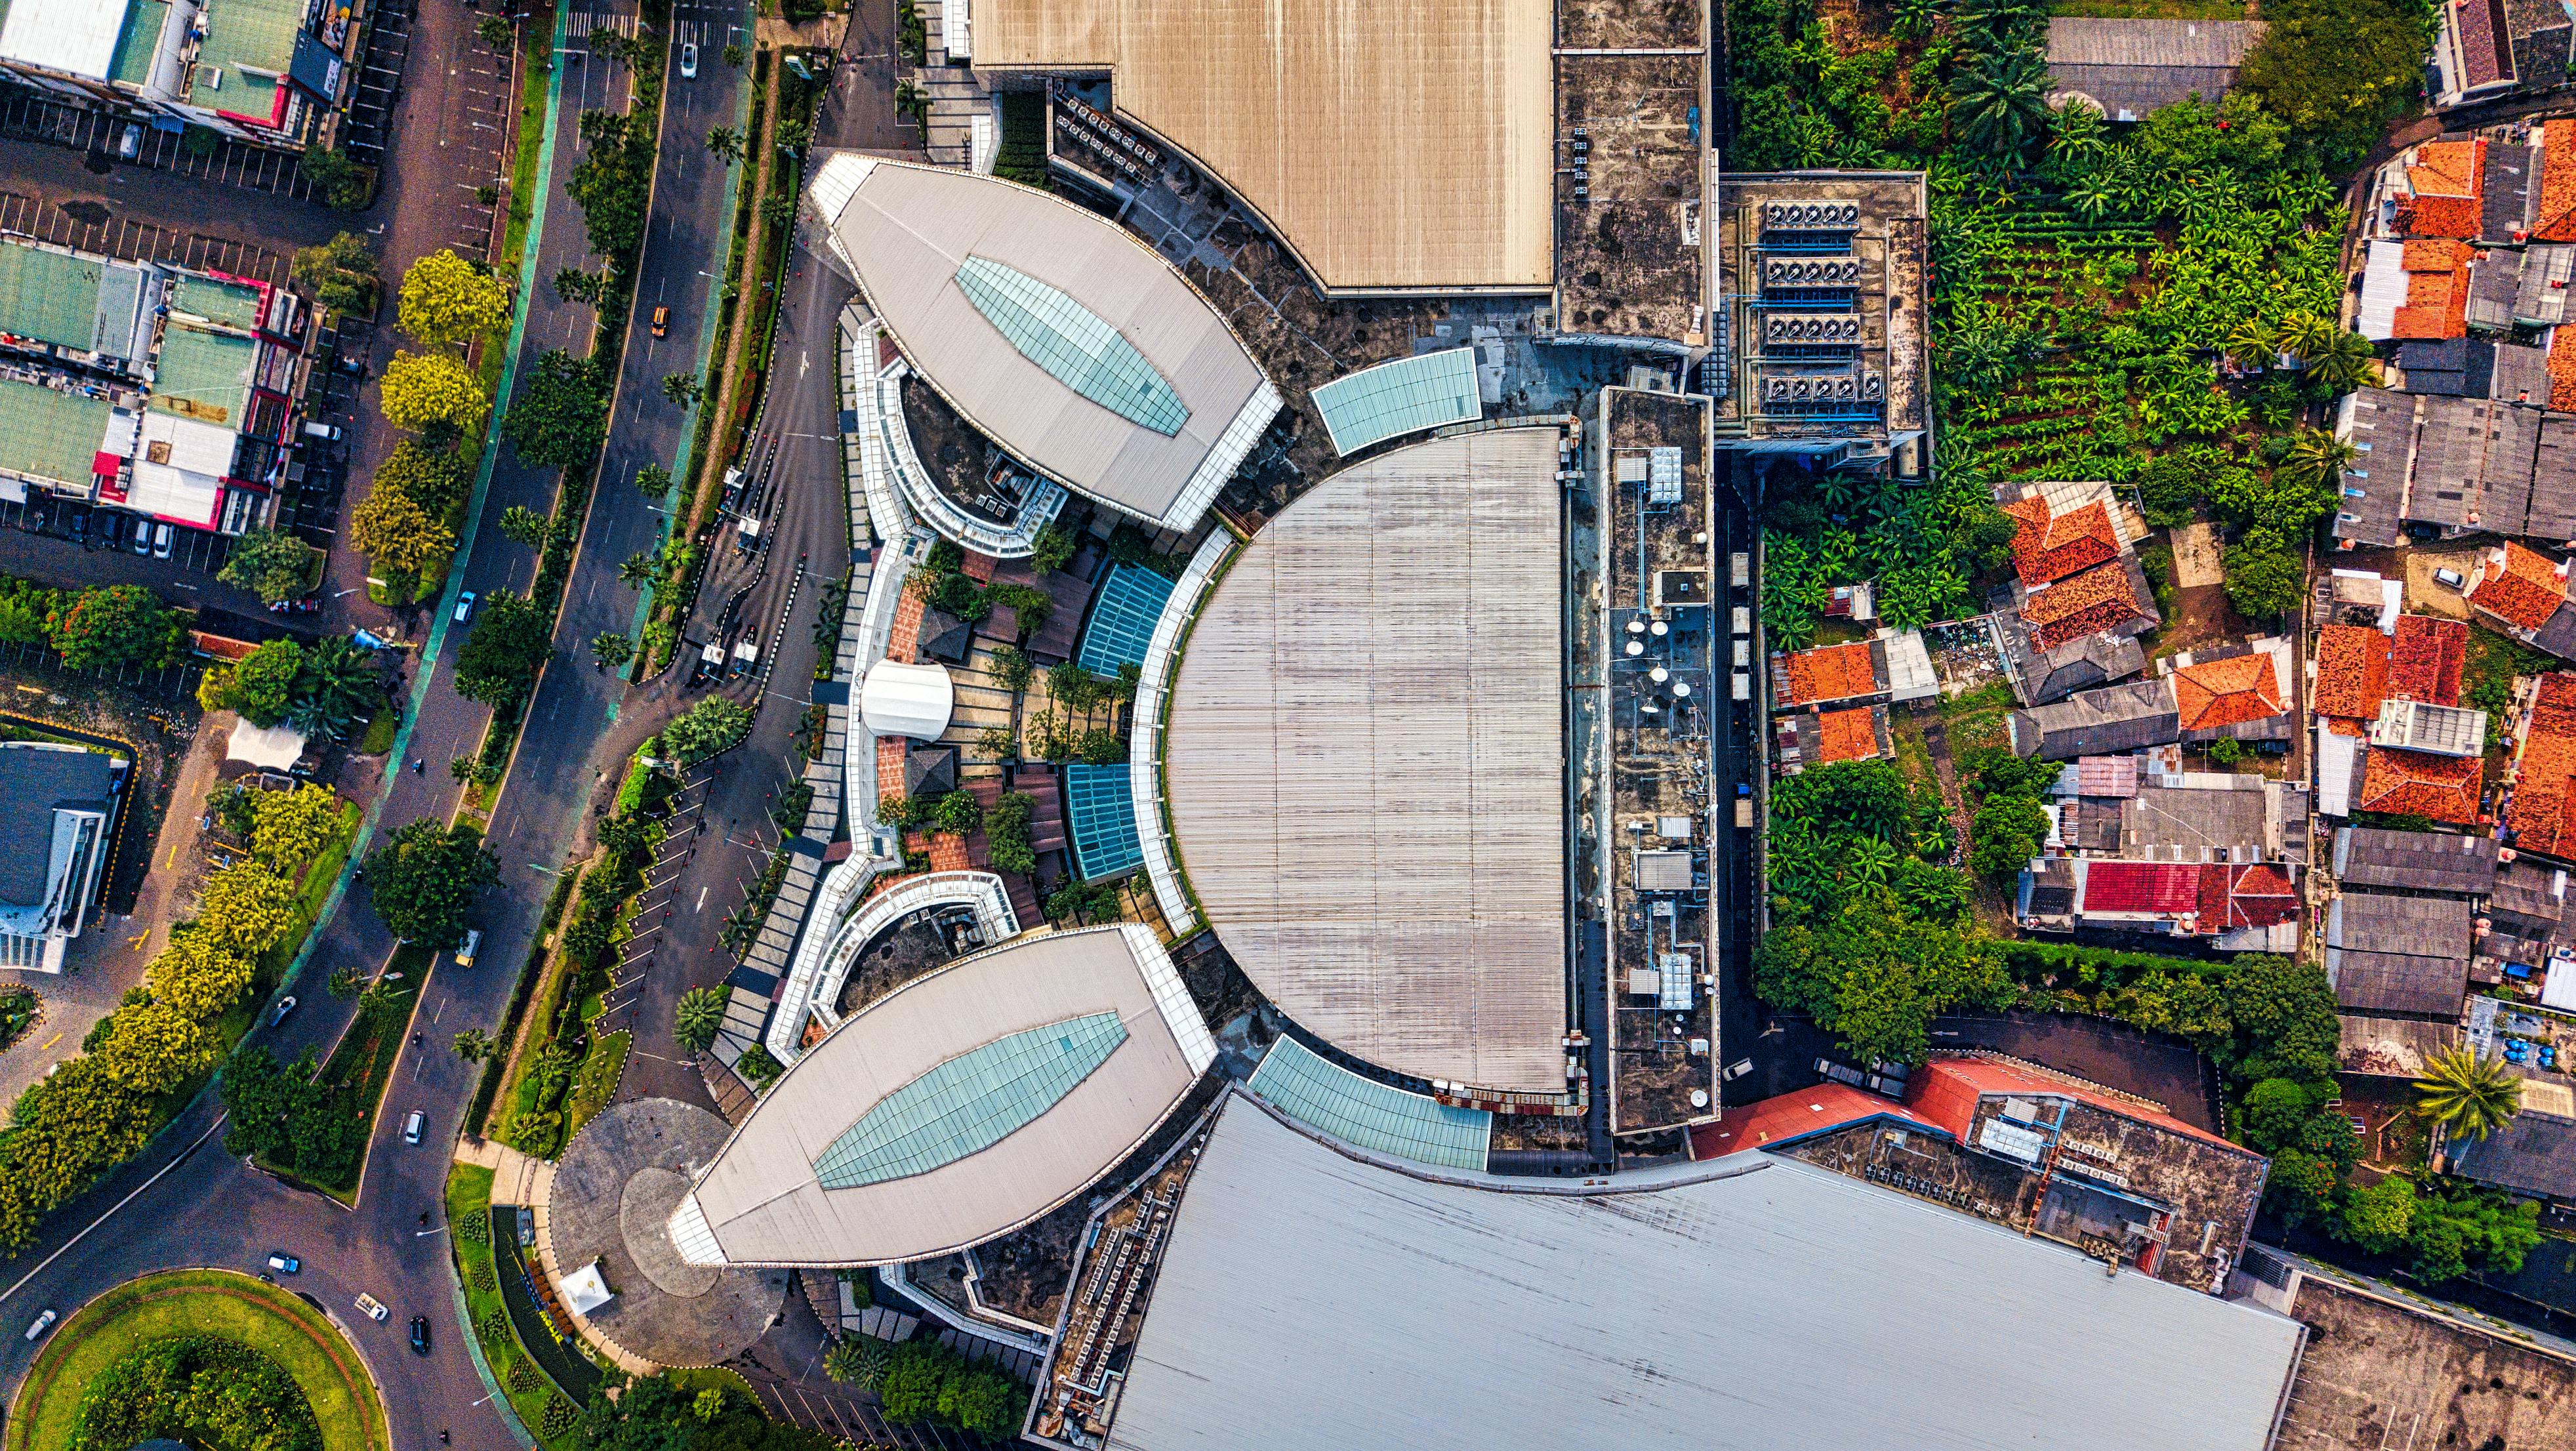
1312,1302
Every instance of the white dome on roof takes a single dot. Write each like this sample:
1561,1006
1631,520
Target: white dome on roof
901,699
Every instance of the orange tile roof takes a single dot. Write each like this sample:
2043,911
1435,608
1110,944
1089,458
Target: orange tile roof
2047,549
2544,789
890,751
2426,659
2261,895
2437,292
2562,368
2447,168
1847,735
2444,788
2352,671
2218,693
1833,672
1792,1116
2101,598
1948,1089
2523,588
905,637
2438,255
2557,182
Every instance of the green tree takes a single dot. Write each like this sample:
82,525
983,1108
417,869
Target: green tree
198,976
637,571
2005,834
1876,980
699,1014
2376,1218
957,813
712,725
574,285
612,649
2469,1095
2274,1114
423,882
259,687
340,273
2301,1188
436,479
392,529
448,302
112,625
683,390
246,907
561,417
2307,335
2265,580
857,1361
474,1045
612,184
290,827
2347,361
337,686
2336,71
271,563
2281,1018
525,525
1999,104
344,185
653,481
757,1067
494,32
512,637
726,143
432,392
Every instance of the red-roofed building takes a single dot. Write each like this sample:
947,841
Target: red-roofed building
2145,887
2419,783
2237,907
2519,589
2557,211
2540,816
1776,1123
2352,676
2098,599
2437,292
2047,549
1827,674
2445,177
2216,694
1949,1090
2426,659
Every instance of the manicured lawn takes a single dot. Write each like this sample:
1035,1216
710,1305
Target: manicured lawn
380,731
469,1195
198,1302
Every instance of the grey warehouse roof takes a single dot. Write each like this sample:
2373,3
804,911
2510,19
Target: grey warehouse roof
958,1107
2415,861
1052,330
1313,1300
1366,761
2534,1153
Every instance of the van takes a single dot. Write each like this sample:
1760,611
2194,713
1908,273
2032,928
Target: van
326,432
411,1127
473,940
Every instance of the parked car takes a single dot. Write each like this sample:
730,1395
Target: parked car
351,364
162,538
464,606
143,536
689,61
411,1127
285,1005
285,1264
374,1309
327,432
2450,579
44,1322
420,1335
465,953
661,322
130,143
79,525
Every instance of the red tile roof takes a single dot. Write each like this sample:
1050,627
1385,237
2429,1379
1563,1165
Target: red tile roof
2486,42
1948,1089
2557,183
1792,1116
2445,176
2101,598
1847,735
2444,788
2426,659
2523,588
2261,895
2215,694
905,637
2114,886
1834,672
890,751
2562,368
2352,671
2437,292
2047,549
2544,787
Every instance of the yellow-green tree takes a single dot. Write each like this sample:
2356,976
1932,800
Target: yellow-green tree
288,827
394,531
152,1047
244,907
426,391
197,976
448,302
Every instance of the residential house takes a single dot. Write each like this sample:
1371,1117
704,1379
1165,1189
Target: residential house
2078,601
2439,190
1814,738
2107,721
2540,813
2533,1154
2445,466
2238,908
2397,782
2489,49
1894,667
2425,862
2238,691
2415,289
2405,955
2524,594
2128,68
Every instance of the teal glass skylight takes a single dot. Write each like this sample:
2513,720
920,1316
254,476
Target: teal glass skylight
1073,343
969,1103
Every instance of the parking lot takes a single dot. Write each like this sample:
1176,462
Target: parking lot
89,529
89,227
226,163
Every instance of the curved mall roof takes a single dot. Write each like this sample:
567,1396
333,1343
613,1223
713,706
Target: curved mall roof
958,1107
1366,761
1068,341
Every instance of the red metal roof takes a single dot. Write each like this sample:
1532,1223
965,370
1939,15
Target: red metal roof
1948,1089
2112,886
1791,1116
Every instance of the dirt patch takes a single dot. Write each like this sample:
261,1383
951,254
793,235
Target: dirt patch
2198,559
2425,595
2201,615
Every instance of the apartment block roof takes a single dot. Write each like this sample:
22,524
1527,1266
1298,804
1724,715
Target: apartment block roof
2417,783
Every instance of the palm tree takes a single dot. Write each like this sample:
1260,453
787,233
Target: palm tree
2000,105
2093,196
695,1021
2075,132
335,686
639,570
1914,18
2305,335
726,143
611,649
2467,1094
2344,363
474,1045
1992,25
683,389
2316,456
2252,343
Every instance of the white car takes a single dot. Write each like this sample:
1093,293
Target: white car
464,606
44,1322
374,1311
689,61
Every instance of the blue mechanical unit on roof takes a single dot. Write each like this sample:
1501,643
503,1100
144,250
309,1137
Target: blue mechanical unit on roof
1078,346
1122,622
969,1103
1100,807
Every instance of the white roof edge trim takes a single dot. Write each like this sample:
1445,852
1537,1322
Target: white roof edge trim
693,1237
1151,706
1180,1014
1232,447
835,182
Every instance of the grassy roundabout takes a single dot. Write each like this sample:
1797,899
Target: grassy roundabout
198,1302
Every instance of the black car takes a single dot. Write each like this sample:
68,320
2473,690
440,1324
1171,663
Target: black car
420,1335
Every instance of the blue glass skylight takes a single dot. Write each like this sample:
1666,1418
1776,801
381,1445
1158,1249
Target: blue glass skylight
969,1103
1078,346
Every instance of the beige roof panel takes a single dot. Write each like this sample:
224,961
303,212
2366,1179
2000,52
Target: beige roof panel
1392,147
764,1202
906,230
1366,761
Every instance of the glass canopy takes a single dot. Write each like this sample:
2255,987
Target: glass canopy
1075,344
969,1103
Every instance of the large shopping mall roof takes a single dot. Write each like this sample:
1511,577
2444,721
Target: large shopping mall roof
1311,1301
1392,148
1055,332
961,1106
1366,761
